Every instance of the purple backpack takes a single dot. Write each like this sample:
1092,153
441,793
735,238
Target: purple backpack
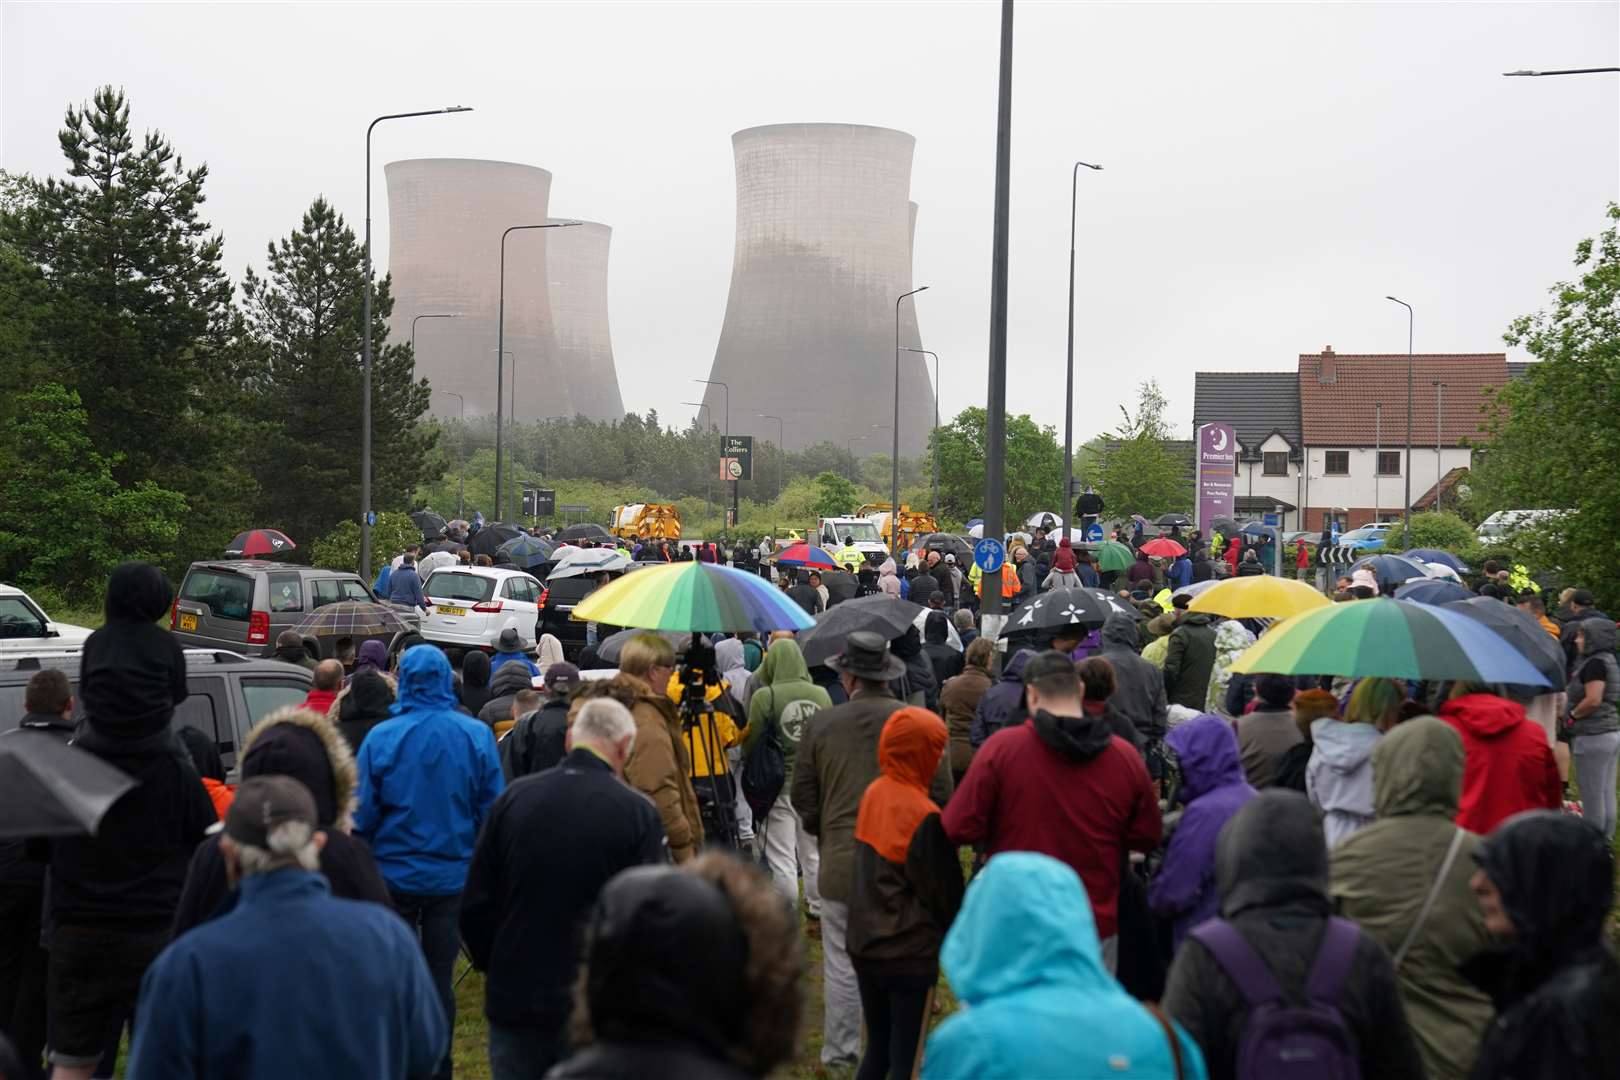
1284,1040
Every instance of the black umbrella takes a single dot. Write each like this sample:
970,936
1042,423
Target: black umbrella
1223,524
1519,629
840,586
880,613
48,788
609,648
1061,608
587,530
1172,519
442,545
430,523
491,537
947,544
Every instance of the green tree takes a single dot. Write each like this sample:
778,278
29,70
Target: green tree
1135,471
340,548
68,522
303,320
1553,432
835,496
1448,532
1034,466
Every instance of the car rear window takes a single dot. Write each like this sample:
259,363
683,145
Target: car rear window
454,585
226,595
570,590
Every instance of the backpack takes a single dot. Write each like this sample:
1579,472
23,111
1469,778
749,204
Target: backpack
764,770
1283,1040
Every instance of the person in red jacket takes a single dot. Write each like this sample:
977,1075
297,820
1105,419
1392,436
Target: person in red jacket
1507,765
1234,551
1063,784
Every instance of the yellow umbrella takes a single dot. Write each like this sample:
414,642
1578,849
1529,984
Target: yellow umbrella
1263,596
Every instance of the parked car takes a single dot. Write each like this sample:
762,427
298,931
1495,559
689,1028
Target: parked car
1498,527
1366,538
243,604
24,626
471,605
229,692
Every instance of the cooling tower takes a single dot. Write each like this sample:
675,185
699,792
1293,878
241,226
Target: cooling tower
445,219
577,276
823,249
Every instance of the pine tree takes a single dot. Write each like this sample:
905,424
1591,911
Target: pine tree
303,321
1136,471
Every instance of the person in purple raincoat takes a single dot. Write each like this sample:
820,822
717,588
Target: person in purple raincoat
1213,788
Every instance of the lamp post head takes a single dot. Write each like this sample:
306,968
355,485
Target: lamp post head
456,108
1089,165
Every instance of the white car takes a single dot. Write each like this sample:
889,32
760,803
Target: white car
24,626
469,606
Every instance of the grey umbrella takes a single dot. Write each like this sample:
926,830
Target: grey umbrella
1519,629
48,788
886,615
583,562
609,648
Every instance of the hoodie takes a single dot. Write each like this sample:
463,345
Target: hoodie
1213,788
1232,639
889,578
373,656
1063,561
1507,765
504,685
363,706
784,700
945,660
1339,777
1596,662
1003,704
1189,659
1138,685
132,672
1024,957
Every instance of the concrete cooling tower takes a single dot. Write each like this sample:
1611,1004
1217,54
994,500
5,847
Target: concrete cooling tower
577,277
823,249
445,218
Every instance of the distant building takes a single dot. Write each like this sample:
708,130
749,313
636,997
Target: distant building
823,250
1263,409
577,279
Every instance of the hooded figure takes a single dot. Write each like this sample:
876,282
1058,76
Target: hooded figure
1339,777
889,578
1272,874
1189,658
1213,788
1002,705
504,685
959,700
1594,736
1556,985
549,651
1023,956
1384,874
132,672
918,685
945,660
906,890
1063,574
362,706
373,656
290,650
1232,639
475,692
1507,765
298,743
1138,685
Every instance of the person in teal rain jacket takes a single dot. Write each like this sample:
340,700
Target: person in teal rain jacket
1023,958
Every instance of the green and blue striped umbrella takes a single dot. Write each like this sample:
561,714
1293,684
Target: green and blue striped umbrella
1392,639
694,596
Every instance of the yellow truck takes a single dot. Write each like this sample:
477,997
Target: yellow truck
646,521
914,524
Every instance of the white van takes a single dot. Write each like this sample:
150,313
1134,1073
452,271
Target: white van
1497,527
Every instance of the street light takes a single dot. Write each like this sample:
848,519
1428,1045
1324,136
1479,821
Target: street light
419,318
500,344
1439,464
1068,380
781,451
365,348
1566,71
461,447
894,465
708,482
1406,511
933,450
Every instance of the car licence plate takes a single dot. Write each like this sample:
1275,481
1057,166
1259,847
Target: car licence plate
188,622
446,609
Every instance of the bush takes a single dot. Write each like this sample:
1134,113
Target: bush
340,548
1448,532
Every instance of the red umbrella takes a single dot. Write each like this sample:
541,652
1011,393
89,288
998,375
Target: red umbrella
806,555
256,542
1165,548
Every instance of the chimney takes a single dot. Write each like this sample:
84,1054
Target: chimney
1327,370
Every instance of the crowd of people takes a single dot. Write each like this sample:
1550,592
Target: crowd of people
1124,858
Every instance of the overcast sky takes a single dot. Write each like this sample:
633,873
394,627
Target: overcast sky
1272,170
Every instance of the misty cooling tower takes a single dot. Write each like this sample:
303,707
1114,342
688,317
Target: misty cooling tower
824,225
577,272
445,219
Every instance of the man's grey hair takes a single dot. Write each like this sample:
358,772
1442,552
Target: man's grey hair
292,843
603,723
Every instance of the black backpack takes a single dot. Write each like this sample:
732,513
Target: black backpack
764,770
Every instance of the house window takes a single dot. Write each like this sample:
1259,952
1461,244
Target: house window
1389,463
1276,463
1337,463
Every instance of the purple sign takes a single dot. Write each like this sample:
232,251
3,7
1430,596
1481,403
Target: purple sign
1217,465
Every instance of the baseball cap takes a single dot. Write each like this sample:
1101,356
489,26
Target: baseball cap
262,803
1364,577
562,678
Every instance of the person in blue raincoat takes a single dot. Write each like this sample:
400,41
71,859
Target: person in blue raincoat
1023,957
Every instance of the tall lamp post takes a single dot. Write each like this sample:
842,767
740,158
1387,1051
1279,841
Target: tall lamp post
933,450
1566,71
849,444
500,346
708,482
781,451
1439,462
894,464
726,437
1406,508
461,453
418,318
365,348
1068,379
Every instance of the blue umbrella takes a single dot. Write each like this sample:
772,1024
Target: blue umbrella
1519,629
1392,570
1432,591
1435,555
527,551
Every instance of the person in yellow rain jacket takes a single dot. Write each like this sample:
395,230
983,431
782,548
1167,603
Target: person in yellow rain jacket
697,738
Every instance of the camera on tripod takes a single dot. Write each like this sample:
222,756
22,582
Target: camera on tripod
717,799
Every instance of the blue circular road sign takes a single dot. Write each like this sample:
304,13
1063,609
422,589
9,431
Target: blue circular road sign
989,554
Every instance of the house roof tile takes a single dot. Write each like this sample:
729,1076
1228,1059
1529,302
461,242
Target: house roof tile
1255,403
1338,393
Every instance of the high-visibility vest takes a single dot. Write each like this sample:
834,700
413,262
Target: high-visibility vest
1519,579
1009,580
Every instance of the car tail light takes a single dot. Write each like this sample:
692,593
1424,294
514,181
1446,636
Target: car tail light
259,628
545,591
488,607
174,614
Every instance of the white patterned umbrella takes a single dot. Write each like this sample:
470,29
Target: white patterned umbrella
582,562
1088,608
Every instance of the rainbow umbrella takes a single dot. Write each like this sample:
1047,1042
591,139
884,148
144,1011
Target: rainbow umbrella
806,555
1263,596
1392,639
694,596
